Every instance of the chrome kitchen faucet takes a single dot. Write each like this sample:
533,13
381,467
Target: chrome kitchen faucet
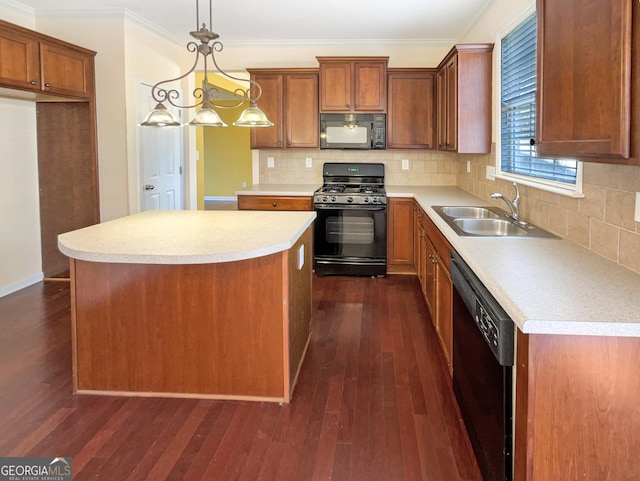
513,204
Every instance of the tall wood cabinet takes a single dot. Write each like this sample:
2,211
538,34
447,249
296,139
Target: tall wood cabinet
290,100
584,91
59,77
353,84
463,89
410,106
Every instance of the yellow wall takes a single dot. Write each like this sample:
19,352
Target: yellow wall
225,154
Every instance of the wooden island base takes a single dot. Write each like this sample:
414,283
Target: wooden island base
230,330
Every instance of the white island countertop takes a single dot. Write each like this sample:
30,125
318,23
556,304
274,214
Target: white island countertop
186,237
547,286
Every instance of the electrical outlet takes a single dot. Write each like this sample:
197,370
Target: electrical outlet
270,163
308,162
491,172
244,185
405,164
636,217
468,166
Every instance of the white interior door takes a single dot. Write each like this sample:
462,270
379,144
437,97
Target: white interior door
161,158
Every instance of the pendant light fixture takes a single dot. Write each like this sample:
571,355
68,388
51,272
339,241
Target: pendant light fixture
205,96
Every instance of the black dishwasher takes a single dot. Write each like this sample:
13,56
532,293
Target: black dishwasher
483,352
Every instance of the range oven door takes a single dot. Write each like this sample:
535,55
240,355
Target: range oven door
350,240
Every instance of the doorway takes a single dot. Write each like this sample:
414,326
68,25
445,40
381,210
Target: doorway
160,158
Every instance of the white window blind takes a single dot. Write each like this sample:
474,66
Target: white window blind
518,106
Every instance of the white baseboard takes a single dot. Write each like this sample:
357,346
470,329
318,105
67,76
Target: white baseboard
216,198
21,284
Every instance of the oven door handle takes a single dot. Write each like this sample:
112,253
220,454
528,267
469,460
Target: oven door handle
351,207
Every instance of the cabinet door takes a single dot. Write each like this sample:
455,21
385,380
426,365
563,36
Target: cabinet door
336,87
430,286
441,108
19,61
400,234
271,103
410,111
444,309
66,71
584,89
447,92
451,104
301,110
370,87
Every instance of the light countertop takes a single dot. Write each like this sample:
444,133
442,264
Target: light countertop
547,286
280,189
187,237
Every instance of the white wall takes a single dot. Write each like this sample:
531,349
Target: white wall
20,256
495,20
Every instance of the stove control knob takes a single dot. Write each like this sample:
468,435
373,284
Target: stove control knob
325,198
376,200
333,198
349,199
366,200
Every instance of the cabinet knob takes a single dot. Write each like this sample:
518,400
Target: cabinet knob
357,106
279,142
33,82
348,106
275,204
47,85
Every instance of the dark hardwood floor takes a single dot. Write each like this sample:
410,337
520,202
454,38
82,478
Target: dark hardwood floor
373,401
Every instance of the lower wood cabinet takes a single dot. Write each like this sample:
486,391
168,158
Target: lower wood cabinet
576,415
271,202
432,266
400,237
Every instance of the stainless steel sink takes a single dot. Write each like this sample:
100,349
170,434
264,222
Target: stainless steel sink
468,211
489,227
480,221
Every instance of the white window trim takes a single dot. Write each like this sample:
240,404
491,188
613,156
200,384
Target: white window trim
542,184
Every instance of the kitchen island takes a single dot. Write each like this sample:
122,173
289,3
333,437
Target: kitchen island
208,304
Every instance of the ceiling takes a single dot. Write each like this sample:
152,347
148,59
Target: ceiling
327,21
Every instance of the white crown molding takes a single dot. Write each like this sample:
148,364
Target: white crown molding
124,13
18,7
349,41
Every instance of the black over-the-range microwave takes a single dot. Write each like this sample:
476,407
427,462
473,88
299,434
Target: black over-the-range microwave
353,131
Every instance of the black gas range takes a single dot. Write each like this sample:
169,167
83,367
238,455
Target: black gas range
351,229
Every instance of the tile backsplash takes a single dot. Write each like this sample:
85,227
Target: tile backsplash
602,221
425,167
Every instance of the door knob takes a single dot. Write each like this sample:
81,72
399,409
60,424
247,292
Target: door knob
149,187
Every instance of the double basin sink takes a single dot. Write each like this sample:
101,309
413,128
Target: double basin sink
487,222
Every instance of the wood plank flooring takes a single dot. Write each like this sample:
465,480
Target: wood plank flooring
373,401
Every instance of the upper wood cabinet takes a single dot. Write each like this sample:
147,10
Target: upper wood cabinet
353,84
463,93
33,62
290,100
584,79
410,119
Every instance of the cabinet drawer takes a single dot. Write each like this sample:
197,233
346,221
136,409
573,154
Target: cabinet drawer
261,202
